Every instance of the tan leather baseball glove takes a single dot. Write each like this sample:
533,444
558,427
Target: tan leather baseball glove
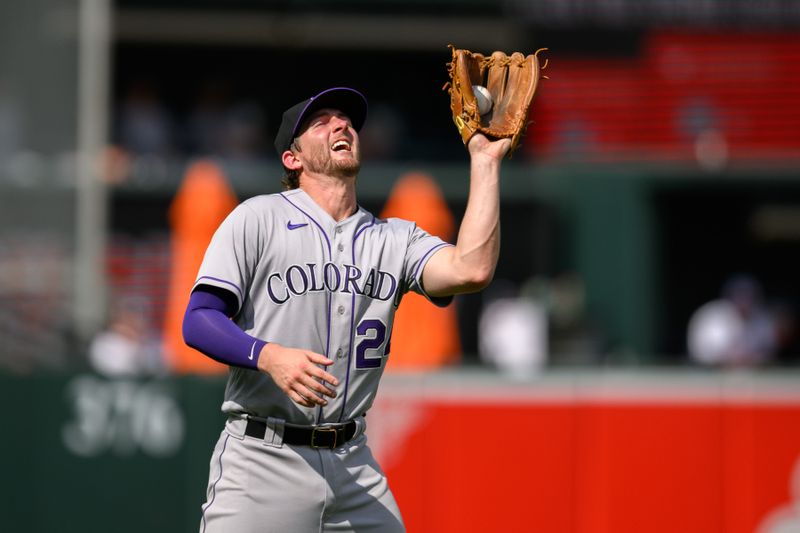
512,82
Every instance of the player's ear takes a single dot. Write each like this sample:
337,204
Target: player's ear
290,160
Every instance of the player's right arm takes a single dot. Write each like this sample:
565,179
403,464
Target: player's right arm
207,328
469,265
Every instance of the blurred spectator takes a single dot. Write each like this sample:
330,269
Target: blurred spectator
128,346
244,131
512,331
424,336
220,127
145,127
574,337
382,134
786,332
206,123
736,330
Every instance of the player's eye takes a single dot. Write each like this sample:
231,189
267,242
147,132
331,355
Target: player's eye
317,121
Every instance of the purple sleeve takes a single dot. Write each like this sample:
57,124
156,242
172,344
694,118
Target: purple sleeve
207,328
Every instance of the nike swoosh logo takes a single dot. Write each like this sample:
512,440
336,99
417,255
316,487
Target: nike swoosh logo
295,226
253,347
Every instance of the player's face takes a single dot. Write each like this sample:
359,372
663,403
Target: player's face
329,145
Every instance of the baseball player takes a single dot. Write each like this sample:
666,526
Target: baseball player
297,293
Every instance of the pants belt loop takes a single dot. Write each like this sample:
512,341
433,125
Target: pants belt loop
361,426
273,436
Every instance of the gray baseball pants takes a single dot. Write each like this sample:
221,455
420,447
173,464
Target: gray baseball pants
264,485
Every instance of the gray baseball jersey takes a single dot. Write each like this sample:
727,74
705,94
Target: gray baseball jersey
305,281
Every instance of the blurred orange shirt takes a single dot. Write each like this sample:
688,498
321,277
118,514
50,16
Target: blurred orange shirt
424,337
201,204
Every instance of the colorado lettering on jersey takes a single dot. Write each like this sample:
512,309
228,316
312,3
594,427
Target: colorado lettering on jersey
300,279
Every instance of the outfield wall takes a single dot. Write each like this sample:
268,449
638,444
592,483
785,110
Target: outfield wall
595,452
608,453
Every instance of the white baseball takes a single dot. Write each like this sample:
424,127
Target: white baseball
484,98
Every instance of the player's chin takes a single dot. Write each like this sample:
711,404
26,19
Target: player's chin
347,166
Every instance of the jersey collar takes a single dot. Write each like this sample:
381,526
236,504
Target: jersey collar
303,200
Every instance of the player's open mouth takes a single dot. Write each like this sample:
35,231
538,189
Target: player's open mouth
340,145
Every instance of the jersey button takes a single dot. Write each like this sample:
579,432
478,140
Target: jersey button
341,247
341,310
339,353
338,230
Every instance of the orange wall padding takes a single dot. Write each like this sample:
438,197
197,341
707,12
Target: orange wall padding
583,464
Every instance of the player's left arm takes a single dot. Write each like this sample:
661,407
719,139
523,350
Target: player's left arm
469,265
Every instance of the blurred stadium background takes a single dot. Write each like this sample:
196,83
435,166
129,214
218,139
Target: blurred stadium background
605,382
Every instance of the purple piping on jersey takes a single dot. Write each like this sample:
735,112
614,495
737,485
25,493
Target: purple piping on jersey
425,257
241,296
352,324
330,297
214,486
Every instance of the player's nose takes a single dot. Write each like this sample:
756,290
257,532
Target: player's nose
340,123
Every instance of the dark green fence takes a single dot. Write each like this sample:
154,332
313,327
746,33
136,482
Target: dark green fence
83,453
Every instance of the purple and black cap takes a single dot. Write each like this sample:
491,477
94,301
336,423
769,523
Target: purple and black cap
349,101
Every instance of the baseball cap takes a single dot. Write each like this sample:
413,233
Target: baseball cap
349,101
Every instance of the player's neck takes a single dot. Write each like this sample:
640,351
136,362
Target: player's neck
334,195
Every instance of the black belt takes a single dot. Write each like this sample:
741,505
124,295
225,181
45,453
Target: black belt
314,436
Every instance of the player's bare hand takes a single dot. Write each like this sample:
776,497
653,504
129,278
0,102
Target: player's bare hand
296,372
480,145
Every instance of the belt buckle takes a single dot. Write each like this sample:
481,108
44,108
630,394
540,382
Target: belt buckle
323,429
